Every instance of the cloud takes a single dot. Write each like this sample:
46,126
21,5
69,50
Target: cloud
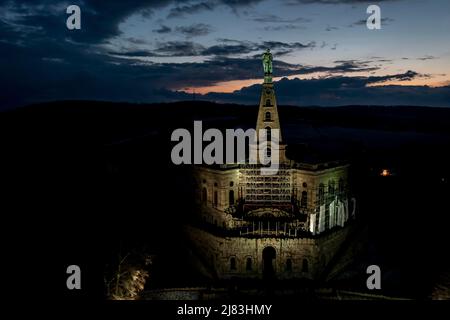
283,27
336,91
134,53
195,30
41,60
103,77
117,76
427,57
286,45
193,8
342,66
234,47
179,49
363,22
100,19
136,41
163,29
191,31
381,59
407,76
271,18
241,47
226,47
180,11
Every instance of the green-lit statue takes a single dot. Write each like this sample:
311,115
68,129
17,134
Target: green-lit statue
267,62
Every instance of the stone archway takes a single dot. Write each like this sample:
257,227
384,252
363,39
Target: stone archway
268,255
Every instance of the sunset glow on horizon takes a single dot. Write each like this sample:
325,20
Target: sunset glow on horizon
167,50
236,85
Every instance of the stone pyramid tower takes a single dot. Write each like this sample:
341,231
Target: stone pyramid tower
268,118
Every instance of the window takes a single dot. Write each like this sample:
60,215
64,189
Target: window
216,200
305,185
321,193
289,265
231,197
268,116
304,199
341,185
215,184
269,152
268,103
305,265
232,263
268,133
231,183
331,188
204,195
248,264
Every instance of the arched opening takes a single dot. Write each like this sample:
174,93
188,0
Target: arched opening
232,263
216,199
204,195
268,103
248,264
268,116
304,199
231,197
268,256
305,265
289,265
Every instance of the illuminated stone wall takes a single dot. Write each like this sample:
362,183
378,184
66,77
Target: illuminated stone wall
217,252
217,183
321,207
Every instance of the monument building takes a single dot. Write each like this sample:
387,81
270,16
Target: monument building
287,225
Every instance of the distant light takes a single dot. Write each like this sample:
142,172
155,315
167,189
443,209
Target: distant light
385,173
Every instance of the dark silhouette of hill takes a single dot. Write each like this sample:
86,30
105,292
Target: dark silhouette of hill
84,176
106,118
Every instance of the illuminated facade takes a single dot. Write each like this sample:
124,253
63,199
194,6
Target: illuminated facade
288,225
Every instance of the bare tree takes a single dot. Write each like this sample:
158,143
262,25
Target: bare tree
127,279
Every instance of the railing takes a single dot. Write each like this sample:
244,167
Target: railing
289,233
274,229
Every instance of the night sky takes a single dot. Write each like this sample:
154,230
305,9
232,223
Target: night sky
153,51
